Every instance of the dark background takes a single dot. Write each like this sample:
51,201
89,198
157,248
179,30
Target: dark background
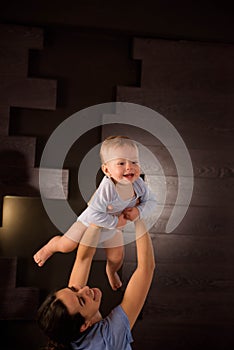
173,56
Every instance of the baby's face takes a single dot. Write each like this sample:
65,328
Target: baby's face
123,164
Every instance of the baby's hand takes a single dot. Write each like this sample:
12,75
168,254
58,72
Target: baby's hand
121,221
131,213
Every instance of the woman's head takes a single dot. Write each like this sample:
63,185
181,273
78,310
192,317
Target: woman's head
67,313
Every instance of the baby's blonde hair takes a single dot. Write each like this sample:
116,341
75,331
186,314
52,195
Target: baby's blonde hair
114,142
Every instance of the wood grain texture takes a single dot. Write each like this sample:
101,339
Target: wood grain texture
25,182
199,221
21,36
204,64
54,182
181,336
28,93
210,128
206,192
185,249
19,303
13,61
8,266
4,119
17,151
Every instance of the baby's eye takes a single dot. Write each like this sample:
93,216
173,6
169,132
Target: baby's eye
121,163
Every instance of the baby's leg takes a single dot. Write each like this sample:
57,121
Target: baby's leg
115,254
64,244
56,244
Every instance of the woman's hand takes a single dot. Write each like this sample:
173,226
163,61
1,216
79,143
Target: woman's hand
131,214
121,221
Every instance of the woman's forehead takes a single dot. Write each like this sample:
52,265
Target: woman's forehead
69,299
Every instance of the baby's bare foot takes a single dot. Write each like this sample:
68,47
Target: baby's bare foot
113,278
42,255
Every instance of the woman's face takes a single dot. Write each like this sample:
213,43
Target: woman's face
85,301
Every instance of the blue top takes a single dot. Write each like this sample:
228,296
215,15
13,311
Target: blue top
111,333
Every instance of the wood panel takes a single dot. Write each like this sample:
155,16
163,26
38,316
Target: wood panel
206,164
25,181
190,308
29,93
214,163
18,151
206,192
181,336
4,119
54,182
202,131
19,303
196,277
13,61
185,249
8,267
21,36
186,65
199,221
191,249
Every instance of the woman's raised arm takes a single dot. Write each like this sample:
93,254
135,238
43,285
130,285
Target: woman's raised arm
139,283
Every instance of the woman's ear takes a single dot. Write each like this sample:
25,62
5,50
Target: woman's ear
85,325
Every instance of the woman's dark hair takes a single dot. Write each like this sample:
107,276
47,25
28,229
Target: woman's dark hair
56,322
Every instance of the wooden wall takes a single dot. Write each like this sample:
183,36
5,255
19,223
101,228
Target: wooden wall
190,304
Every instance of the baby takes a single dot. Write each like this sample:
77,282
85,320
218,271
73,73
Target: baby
122,195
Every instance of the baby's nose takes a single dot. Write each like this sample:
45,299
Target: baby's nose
128,164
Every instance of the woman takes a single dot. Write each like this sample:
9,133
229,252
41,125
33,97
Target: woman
71,317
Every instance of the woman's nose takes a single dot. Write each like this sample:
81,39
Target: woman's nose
84,290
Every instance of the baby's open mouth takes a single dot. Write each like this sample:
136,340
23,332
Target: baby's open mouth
129,176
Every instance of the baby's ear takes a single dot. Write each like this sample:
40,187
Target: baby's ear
105,170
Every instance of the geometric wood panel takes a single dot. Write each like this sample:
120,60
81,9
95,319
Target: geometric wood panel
17,154
184,249
199,222
181,336
16,303
8,272
209,128
203,191
191,85
25,181
13,61
17,151
4,119
19,303
21,36
28,93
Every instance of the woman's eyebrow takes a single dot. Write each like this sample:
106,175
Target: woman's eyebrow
73,289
